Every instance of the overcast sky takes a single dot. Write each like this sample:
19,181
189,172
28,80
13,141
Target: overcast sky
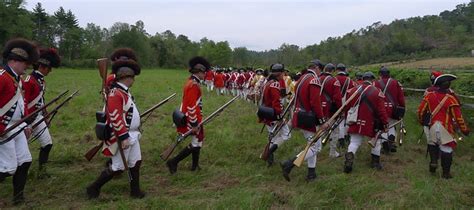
257,25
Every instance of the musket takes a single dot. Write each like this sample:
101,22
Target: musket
300,157
328,132
51,114
372,142
181,137
402,132
102,64
29,117
276,129
148,111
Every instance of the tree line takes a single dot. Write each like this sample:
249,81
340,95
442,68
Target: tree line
448,34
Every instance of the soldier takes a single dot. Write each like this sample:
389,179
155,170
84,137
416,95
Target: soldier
366,115
358,78
395,105
308,103
438,109
35,88
123,120
219,82
15,156
331,100
191,108
346,84
209,80
120,54
271,108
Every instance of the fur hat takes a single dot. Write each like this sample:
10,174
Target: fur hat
21,50
198,64
124,68
49,57
123,54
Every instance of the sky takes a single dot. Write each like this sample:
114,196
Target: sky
257,25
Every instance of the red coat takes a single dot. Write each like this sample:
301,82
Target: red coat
34,86
394,96
368,114
191,106
331,94
8,89
209,76
435,88
219,80
118,116
240,80
308,96
346,83
272,98
450,111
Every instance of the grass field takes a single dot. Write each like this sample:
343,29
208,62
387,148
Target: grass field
452,64
232,175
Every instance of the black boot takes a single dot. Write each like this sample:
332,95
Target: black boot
135,191
19,181
286,167
3,176
391,143
348,163
173,163
446,160
311,174
386,147
434,156
376,162
93,190
195,155
43,159
271,157
341,143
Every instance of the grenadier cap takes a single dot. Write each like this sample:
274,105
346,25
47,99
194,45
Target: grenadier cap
198,64
21,50
49,57
123,54
277,67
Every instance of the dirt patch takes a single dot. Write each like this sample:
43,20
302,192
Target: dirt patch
88,137
221,182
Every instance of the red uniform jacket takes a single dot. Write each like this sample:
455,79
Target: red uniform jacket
192,106
219,80
119,116
9,84
271,98
435,88
308,96
240,80
449,112
34,86
371,109
110,80
331,94
394,96
346,83
209,76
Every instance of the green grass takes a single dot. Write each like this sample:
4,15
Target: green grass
232,175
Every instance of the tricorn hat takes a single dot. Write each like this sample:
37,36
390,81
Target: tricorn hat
384,71
444,78
21,50
277,67
49,57
316,62
123,54
341,67
198,64
434,75
329,67
368,75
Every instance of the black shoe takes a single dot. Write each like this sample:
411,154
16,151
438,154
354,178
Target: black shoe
311,175
93,190
286,167
173,163
376,162
433,150
19,182
271,157
135,191
386,147
341,143
391,143
446,161
195,155
348,163
42,161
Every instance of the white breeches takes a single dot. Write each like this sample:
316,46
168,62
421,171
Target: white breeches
195,142
14,153
44,137
391,131
312,154
356,141
132,155
282,136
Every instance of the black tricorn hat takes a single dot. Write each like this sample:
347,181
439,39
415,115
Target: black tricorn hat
277,67
444,78
197,64
316,62
329,67
368,75
384,71
21,50
49,57
128,66
341,67
123,54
